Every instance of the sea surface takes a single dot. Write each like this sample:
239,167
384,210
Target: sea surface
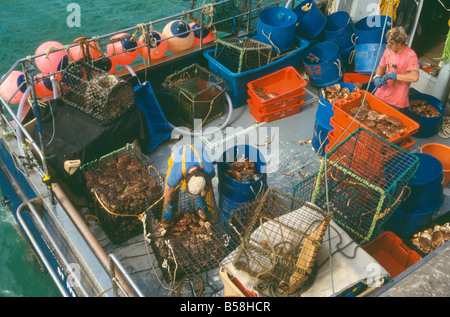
24,25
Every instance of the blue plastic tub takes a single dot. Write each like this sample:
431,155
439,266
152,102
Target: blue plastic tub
320,133
339,29
369,30
236,83
236,191
345,55
158,127
329,69
276,27
310,23
428,126
366,57
325,109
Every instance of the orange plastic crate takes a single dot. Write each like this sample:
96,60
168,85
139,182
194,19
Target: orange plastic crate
286,82
344,119
269,117
279,105
392,254
354,78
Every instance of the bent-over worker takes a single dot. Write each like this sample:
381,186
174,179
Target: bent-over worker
398,68
190,168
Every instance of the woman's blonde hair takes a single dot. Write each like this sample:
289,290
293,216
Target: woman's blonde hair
397,35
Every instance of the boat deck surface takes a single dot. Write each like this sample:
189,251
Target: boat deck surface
296,161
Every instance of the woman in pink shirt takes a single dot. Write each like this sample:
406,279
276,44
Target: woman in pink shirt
398,68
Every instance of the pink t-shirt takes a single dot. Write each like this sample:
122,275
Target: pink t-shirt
396,92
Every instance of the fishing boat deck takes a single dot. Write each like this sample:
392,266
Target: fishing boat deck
297,159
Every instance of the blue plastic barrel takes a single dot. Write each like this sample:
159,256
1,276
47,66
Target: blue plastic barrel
339,29
328,69
236,191
369,30
310,20
345,55
428,126
366,57
319,140
276,27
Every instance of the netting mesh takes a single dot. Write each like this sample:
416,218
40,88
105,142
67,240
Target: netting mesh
190,244
123,186
240,54
196,94
281,236
101,95
364,179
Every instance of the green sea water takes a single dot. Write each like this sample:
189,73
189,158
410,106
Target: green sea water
24,25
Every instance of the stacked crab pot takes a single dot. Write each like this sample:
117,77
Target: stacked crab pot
367,111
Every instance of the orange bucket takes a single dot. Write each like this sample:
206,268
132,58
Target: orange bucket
442,153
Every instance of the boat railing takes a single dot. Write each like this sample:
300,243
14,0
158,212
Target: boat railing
114,264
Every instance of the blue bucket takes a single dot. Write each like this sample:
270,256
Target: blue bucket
310,22
276,27
329,69
428,126
345,54
321,129
236,191
339,29
369,30
366,57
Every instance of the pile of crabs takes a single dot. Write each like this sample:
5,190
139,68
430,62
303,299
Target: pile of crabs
422,108
243,170
337,92
432,238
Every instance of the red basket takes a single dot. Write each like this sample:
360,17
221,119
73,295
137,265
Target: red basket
354,78
273,116
286,82
344,119
280,104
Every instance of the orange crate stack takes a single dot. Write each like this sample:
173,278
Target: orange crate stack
285,91
343,120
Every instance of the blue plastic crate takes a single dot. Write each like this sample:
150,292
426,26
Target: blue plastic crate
158,126
236,83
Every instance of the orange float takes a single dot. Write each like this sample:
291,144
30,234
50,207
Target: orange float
76,53
10,85
155,52
127,45
179,40
52,61
208,35
106,64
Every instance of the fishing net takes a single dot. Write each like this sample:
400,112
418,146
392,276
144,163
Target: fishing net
240,54
363,181
190,244
97,93
196,93
281,237
124,188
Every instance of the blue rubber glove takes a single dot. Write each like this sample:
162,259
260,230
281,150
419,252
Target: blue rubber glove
201,204
167,214
392,76
378,81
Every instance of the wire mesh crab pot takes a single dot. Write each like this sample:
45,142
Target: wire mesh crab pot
123,187
190,244
363,180
97,93
197,94
280,242
241,54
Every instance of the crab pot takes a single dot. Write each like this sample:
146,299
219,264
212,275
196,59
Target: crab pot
197,94
122,186
191,245
97,93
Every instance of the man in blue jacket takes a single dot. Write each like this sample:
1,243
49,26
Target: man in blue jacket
190,168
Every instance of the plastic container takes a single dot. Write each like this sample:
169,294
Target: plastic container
344,119
236,83
391,253
276,27
355,78
310,23
232,287
236,191
325,109
280,104
367,57
339,29
285,83
329,68
276,115
370,29
158,127
442,153
319,140
428,126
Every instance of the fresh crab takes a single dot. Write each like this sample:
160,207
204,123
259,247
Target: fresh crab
432,238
